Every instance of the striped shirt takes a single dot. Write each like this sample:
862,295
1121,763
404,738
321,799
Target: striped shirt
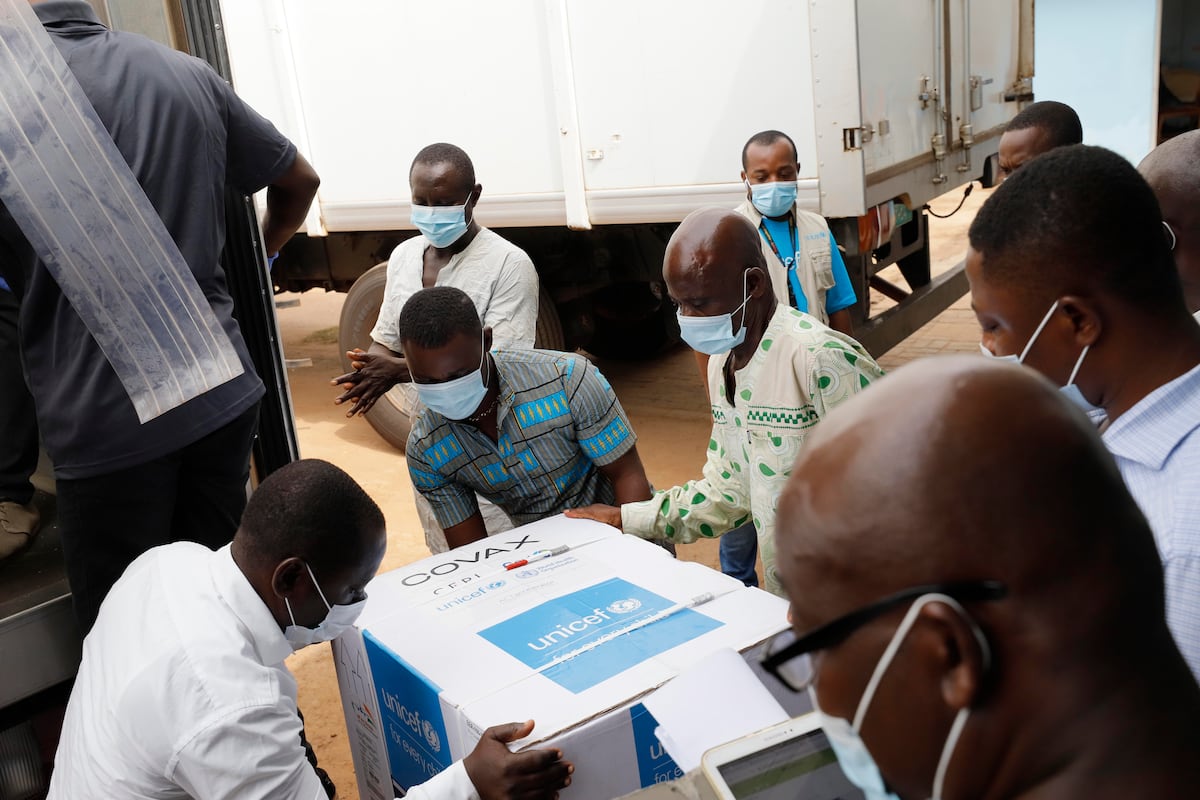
1157,448
558,420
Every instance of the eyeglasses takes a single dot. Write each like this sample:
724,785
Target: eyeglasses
786,656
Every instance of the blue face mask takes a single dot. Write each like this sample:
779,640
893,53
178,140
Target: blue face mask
441,225
852,754
1071,391
714,335
773,199
456,399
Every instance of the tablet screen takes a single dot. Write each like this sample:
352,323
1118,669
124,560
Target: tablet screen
803,768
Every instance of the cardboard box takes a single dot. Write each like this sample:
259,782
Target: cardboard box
454,644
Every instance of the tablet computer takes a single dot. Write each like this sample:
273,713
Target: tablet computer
788,761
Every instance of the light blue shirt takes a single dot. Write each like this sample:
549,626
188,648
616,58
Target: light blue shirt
1157,448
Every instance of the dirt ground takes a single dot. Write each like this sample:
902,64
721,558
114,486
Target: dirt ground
663,397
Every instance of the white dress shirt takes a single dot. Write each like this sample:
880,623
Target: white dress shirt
183,693
1157,448
495,273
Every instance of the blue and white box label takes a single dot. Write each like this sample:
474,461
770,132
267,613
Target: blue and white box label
569,624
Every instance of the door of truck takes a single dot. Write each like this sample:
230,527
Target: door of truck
916,104
39,642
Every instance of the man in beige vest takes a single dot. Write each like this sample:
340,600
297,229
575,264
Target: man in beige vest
806,269
802,257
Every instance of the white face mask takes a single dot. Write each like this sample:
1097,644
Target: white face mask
339,620
853,756
1070,390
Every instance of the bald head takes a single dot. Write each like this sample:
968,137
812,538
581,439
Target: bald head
954,472
714,266
974,471
713,240
1175,162
1173,171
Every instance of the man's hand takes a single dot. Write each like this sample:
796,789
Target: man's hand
374,374
499,774
609,515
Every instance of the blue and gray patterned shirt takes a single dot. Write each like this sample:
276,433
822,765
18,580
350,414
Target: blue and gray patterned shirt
558,421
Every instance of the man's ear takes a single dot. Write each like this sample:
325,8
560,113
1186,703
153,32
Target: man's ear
756,280
287,575
487,338
962,658
1085,319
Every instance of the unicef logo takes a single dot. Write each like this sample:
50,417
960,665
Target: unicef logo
494,585
431,735
624,606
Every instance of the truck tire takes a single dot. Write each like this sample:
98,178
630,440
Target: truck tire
392,415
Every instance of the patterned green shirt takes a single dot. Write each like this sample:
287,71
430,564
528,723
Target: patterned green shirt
801,371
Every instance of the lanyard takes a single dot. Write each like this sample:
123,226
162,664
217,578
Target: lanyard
789,262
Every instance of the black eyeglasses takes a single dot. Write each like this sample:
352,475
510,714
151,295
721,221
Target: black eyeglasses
786,655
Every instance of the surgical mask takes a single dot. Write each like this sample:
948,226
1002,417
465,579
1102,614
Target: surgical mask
339,620
441,225
1071,391
853,756
714,335
773,199
456,399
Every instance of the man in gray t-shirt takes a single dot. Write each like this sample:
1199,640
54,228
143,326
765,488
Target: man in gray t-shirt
124,487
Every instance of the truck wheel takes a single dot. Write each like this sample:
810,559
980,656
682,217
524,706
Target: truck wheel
391,417
548,334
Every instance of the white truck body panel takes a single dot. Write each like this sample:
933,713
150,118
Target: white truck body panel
582,113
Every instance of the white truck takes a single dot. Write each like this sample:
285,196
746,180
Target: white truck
596,126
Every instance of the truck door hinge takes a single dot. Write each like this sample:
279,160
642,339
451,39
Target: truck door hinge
855,138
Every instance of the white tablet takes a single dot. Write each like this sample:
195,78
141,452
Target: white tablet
788,761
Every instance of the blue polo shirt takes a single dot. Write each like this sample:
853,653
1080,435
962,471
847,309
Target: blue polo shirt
186,135
840,295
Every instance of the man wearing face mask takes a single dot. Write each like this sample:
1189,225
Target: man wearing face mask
194,699
1097,308
452,250
803,261
534,432
776,373
964,647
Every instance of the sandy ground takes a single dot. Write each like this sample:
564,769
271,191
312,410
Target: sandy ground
664,399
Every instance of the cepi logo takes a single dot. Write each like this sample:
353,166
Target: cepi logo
412,718
626,606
